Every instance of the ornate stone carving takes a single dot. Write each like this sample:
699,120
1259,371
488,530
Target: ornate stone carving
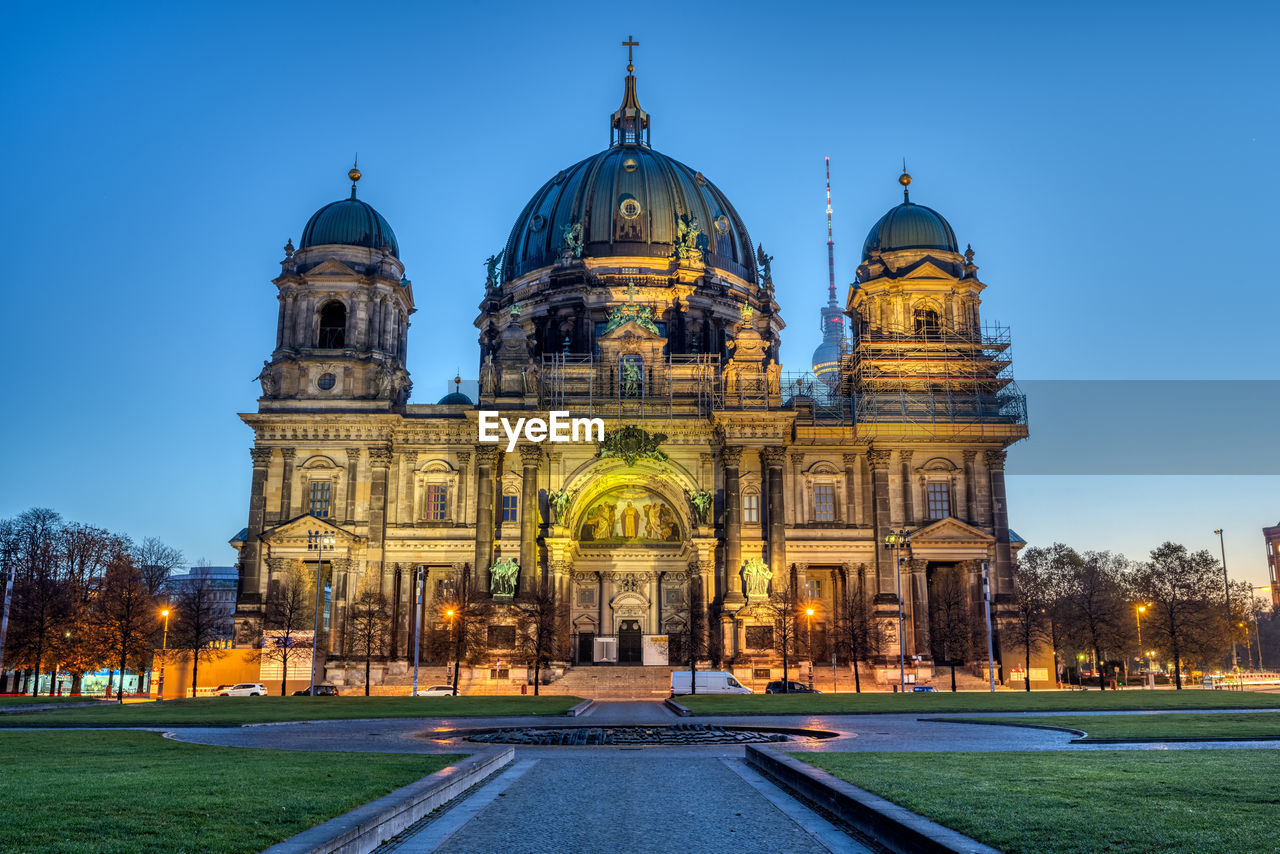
486,456
904,457
261,457
464,459
850,459
995,459
758,575
380,457
774,457
969,455
584,578
503,575
731,456
632,443
288,454
353,455
530,455
700,500
878,459
632,582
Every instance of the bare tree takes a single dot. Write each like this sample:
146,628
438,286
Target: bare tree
784,607
1032,592
466,609
1098,607
542,628
199,621
1185,593
157,562
1056,565
951,619
288,613
368,626
696,643
43,604
861,635
126,615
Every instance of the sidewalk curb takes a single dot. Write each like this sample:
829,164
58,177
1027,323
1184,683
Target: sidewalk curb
366,827
886,822
580,709
677,708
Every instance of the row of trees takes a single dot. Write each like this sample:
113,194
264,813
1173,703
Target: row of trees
83,598
1089,602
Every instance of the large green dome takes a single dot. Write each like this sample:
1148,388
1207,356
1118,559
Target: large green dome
910,226
349,222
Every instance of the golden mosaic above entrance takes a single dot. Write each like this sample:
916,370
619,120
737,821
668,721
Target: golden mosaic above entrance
629,515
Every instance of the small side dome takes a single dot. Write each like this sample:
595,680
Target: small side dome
349,222
455,398
910,226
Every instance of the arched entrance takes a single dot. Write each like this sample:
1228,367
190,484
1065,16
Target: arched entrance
629,641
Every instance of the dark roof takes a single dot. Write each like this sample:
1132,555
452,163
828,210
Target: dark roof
455,398
910,226
593,192
349,222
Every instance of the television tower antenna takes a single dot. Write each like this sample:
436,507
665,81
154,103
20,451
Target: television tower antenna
831,245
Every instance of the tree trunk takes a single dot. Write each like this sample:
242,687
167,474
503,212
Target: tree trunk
111,676
195,669
1027,670
35,683
1102,681
693,666
123,655
537,674
857,682
1177,671
367,664
457,660
284,674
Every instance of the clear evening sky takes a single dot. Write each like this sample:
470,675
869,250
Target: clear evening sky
1113,165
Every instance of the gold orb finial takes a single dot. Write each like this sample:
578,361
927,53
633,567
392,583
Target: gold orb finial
354,174
904,179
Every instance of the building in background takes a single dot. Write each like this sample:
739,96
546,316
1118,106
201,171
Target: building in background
1271,536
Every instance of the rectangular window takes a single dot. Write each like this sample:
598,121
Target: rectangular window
433,505
502,637
824,502
321,491
586,596
813,588
508,508
751,509
759,637
939,500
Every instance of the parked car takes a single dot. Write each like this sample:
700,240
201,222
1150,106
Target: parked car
437,691
244,689
791,688
708,682
321,691
923,689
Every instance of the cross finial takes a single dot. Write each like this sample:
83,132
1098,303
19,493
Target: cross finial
631,292
629,44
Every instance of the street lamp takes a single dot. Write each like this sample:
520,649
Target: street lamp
897,541
417,628
1141,610
317,541
457,648
809,613
1226,580
1080,670
164,652
986,599
1256,631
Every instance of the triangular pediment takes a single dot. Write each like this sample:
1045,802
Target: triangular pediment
926,270
948,531
330,267
630,329
297,531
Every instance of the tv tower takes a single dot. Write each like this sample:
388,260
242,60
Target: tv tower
826,358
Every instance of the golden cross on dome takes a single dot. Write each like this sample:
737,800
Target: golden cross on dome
629,44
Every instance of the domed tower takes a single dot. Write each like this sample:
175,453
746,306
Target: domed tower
626,234
344,313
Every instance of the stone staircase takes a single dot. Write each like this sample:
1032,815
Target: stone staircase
613,682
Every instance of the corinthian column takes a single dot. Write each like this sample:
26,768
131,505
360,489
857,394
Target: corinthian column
530,457
486,456
730,588
1002,583
250,593
773,459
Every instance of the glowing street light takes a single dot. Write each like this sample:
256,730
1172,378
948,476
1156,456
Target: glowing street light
809,613
317,541
164,652
897,541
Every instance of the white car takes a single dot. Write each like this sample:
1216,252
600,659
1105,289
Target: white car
437,691
244,689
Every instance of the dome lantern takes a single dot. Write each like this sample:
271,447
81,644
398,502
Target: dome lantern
629,124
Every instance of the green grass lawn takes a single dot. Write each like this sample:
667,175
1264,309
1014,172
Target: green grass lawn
1250,725
1221,801
233,711
973,701
136,791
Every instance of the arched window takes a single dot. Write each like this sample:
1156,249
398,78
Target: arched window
927,323
333,326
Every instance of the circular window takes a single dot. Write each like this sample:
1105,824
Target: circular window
630,165
326,381
701,179
537,223
629,207
722,224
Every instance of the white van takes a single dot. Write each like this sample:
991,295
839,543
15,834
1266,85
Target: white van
709,682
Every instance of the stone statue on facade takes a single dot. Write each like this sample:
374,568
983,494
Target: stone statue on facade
757,575
571,241
559,500
493,275
765,263
488,376
503,575
688,238
267,379
701,501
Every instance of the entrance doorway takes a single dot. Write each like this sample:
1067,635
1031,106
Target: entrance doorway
586,647
629,642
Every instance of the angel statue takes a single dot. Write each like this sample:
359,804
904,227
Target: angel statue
493,277
765,263
572,240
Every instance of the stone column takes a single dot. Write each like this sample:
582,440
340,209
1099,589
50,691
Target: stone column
852,490
879,462
561,572
486,456
250,593
908,506
919,607
797,513
731,585
773,459
961,487
530,457
353,465
464,472
608,588
380,463
981,491
1002,575
286,483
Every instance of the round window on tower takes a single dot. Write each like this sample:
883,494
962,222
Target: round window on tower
326,381
630,165
629,207
722,225
537,223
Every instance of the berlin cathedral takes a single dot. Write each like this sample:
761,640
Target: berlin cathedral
726,496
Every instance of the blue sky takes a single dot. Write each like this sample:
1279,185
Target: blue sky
1114,169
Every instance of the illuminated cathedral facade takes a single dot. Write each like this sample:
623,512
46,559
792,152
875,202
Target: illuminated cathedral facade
726,497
